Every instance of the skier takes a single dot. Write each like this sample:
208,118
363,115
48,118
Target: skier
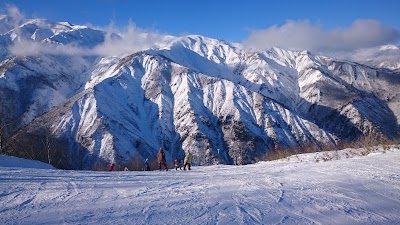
177,165
161,159
188,160
112,167
146,164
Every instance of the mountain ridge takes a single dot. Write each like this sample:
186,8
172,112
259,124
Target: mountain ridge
196,93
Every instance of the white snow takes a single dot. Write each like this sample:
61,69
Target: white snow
11,161
299,190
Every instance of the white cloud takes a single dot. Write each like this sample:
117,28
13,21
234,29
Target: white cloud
301,35
15,15
132,39
13,19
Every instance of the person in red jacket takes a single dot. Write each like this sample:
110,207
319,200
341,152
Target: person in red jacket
112,167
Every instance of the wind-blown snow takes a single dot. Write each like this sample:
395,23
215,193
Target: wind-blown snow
299,190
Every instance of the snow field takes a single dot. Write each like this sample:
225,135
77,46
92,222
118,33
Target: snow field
359,190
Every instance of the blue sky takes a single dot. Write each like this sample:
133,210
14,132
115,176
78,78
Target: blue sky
340,24
226,19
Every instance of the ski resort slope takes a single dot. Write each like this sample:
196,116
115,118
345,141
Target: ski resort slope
303,189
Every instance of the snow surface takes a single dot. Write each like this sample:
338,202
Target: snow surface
297,190
11,161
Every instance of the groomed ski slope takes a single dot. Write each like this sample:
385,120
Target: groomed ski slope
303,189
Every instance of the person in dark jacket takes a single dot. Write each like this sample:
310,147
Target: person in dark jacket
147,165
161,159
177,164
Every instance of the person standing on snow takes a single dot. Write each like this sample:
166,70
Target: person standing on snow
177,165
161,159
112,167
188,161
147,165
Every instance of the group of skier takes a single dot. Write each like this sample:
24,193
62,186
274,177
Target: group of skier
162,162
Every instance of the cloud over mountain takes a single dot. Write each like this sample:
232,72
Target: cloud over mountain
298,35
131,39
116,42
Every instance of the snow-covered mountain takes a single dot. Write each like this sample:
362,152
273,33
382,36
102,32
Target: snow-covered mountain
193,94
386,56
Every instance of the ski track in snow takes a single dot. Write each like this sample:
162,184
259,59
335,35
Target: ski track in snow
363,190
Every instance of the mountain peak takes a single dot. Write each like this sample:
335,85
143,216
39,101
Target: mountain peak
73,26
194,42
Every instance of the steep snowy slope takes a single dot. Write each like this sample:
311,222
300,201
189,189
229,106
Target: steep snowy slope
302,82
194,94
34,85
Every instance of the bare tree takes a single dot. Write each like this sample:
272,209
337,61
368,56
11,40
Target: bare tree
5,143
47,144
1,140
2,128
6,124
